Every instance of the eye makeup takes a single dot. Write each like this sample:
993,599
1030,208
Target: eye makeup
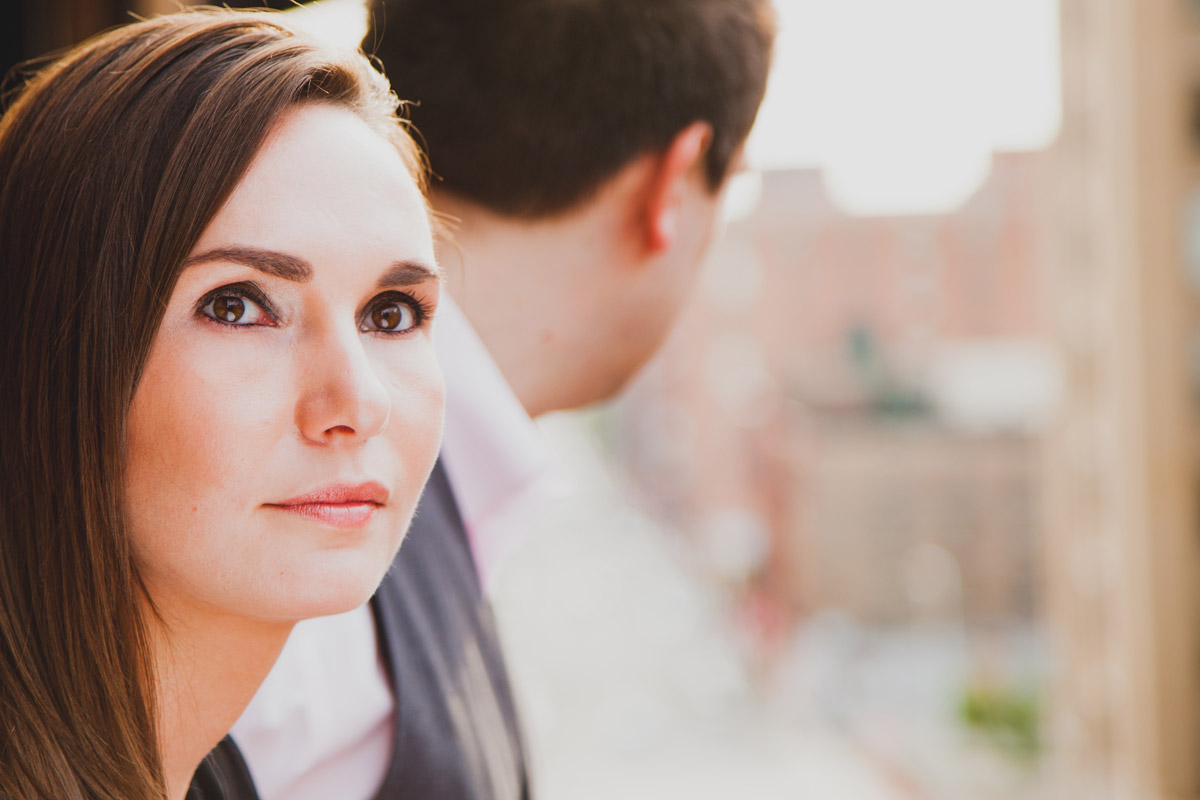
244,305
375,317
228,306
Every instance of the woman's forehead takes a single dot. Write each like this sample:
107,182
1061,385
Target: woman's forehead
325,187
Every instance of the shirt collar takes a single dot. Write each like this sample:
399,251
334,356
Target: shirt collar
494,455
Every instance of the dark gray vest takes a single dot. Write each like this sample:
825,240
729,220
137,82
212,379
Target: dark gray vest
456,735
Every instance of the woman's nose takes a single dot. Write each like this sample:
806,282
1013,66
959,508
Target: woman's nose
341,398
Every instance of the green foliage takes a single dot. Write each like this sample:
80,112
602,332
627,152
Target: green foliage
1007,717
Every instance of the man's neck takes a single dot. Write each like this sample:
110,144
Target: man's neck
529,290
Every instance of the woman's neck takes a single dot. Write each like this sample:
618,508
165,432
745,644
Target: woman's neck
207,670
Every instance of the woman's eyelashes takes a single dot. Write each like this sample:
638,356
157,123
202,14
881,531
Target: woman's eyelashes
244,305
394,312
238,305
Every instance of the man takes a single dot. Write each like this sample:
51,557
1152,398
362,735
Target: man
579,149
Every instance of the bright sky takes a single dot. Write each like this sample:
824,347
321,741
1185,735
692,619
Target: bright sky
342,22
902,102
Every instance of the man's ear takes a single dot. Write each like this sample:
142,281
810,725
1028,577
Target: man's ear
668,178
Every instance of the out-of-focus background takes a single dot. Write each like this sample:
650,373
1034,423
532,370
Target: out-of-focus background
907,509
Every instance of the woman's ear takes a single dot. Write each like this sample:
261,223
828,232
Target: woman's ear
672,169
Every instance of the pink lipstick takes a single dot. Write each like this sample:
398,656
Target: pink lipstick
338,506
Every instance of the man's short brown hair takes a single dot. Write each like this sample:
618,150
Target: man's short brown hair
528,106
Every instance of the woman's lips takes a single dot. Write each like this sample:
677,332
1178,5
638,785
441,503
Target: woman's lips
338,506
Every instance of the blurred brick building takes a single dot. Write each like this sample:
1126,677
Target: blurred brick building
845,417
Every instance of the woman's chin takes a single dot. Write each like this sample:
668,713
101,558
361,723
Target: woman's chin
331,592
333,584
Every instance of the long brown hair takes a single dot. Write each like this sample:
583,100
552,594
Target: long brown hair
112,163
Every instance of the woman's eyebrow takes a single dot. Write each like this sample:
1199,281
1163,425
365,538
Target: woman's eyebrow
272,262
408,273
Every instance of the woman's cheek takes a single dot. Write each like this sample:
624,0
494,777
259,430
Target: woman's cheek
206,404
418,389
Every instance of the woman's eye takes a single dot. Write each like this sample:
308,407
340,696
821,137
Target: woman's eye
392,315
235,309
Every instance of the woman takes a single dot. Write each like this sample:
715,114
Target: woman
220,397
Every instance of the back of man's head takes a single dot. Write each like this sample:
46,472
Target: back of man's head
528,107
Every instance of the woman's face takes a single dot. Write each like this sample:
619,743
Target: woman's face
291,407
